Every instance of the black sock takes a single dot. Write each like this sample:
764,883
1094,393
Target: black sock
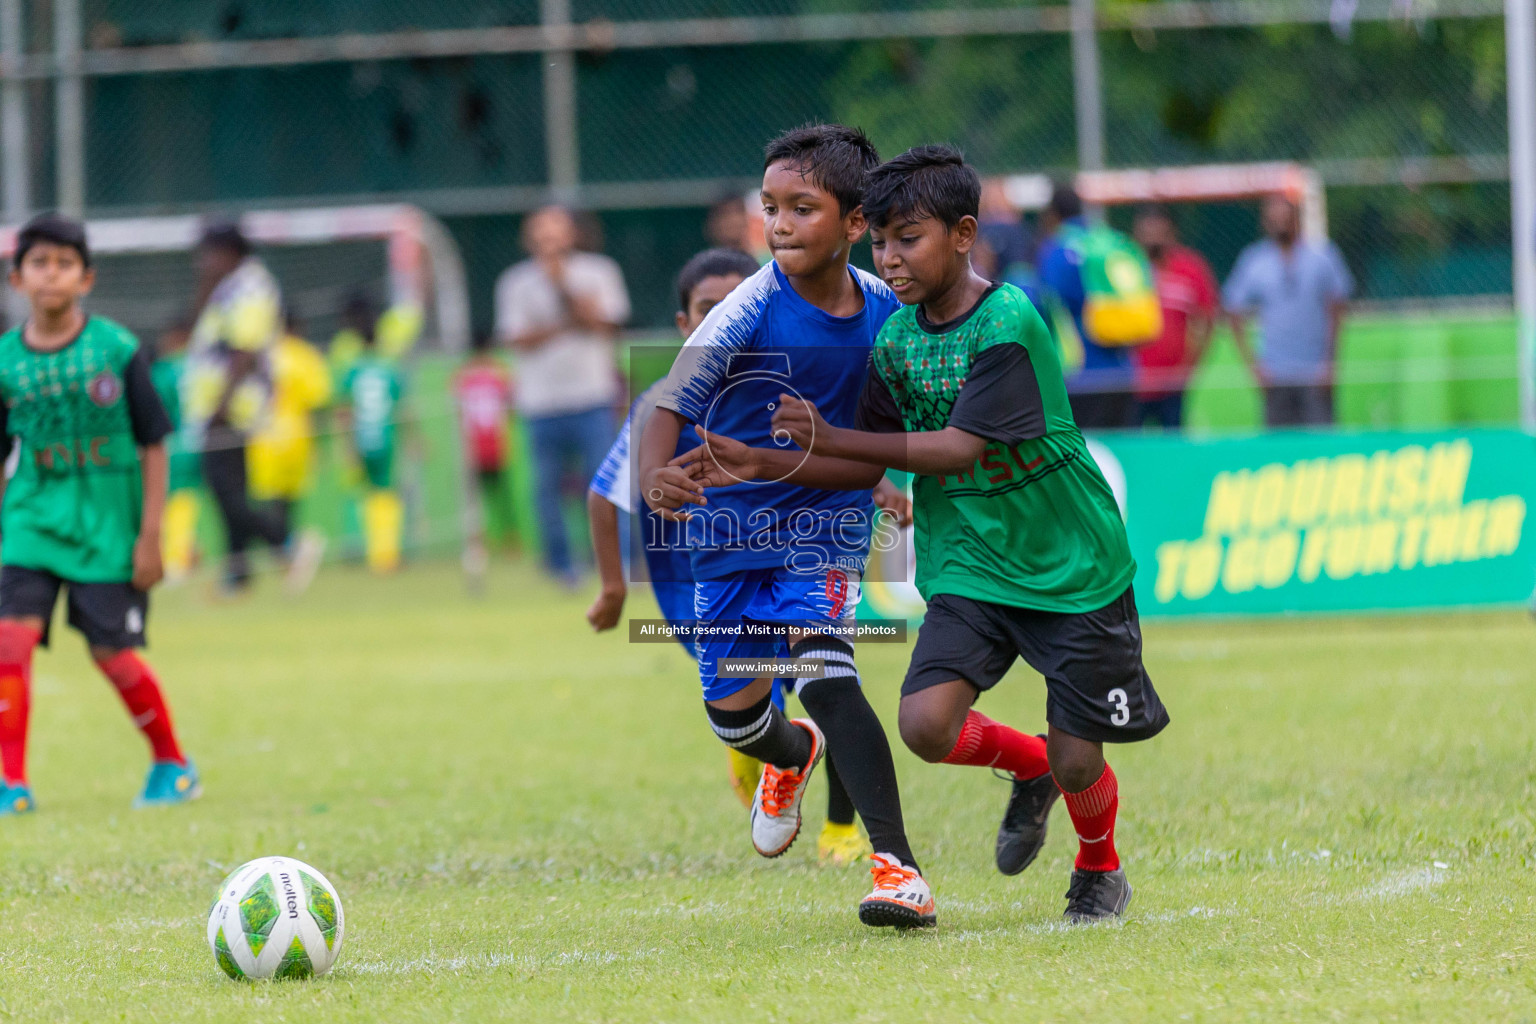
839,803
856,742
762,731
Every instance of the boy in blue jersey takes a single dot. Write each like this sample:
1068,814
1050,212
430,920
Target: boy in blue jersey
703,283
784,556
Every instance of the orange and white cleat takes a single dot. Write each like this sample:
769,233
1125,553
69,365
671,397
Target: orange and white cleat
901,898
776,804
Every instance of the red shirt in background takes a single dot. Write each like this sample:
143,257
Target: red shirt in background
483,391
1185,286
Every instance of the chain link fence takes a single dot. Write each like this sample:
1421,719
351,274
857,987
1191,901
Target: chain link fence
1404,117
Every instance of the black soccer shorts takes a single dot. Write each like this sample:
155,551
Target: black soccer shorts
107,614
1096,686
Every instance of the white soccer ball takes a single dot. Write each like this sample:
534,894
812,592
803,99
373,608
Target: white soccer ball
276,917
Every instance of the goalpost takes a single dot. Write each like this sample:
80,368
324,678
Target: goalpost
1208,183
401,257
1213,183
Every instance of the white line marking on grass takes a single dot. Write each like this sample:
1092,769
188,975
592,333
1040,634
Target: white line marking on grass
494,961
1402,883
1200,913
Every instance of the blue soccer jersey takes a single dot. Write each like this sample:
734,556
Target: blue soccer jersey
763,340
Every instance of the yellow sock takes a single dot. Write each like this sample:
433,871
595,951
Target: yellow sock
180,537
745,773
383,523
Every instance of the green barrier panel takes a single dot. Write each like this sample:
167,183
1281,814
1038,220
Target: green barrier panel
1324,522
1409,371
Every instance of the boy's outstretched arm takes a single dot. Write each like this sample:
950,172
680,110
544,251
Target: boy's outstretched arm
663,486
721,461
924,452
155,472
603,519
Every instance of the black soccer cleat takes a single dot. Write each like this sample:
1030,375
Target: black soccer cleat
1097,895
1022,832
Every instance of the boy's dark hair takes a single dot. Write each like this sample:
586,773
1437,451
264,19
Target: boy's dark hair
833,156
361,313
54,229
1065,202
481,342
925,181
225,233
711,263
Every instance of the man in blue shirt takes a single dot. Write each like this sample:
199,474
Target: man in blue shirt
1102,390
1299,290
786,548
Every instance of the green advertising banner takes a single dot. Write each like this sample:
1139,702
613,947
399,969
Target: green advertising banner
1322,522
1307,522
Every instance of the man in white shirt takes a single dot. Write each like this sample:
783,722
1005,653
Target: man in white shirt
560,311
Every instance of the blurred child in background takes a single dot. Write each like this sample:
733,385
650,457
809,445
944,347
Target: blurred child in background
281,455
371,395
482,393
178,542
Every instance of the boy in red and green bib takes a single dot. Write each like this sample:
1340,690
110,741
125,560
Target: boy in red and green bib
82,510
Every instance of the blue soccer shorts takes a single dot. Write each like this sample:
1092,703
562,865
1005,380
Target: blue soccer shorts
727,607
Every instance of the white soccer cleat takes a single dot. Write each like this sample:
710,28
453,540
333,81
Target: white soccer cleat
901,897
776,804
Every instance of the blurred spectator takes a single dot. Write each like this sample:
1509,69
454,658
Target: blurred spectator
1299,290
560,310
729,225
482,391
1187,292
1003,230
1101,390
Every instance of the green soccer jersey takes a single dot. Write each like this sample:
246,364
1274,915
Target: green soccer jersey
373,387
78,416
165,373
1032,524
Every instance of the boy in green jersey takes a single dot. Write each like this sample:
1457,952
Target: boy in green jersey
84,505
371,394
1021,551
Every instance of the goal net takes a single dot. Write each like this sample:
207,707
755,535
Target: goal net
399,258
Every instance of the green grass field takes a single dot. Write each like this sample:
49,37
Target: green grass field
526,822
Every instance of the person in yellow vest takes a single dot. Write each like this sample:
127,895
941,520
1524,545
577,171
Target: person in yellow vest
280,459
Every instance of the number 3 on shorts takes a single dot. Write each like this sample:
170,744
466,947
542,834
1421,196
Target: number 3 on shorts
1122,704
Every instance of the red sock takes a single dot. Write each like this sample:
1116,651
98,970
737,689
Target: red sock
140,691
16,644
1093,815
994,745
